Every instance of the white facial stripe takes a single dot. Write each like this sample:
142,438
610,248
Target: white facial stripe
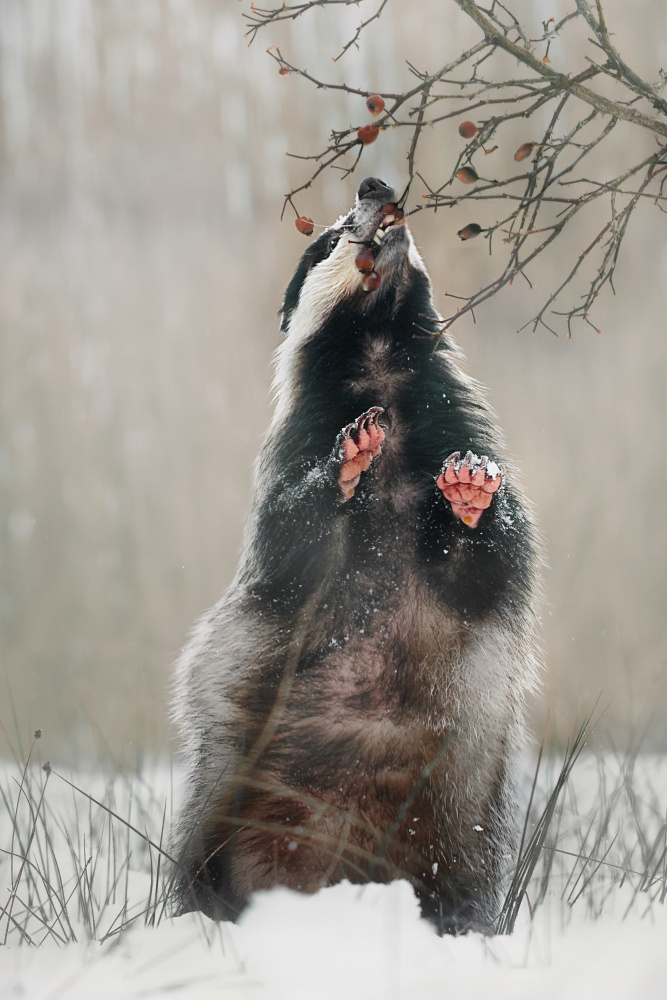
325,286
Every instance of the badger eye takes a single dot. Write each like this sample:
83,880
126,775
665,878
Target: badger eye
333,242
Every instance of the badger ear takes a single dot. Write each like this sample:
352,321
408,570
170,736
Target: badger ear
284,320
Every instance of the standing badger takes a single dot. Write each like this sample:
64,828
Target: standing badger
353,706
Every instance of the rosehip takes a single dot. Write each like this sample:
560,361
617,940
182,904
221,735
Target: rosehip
470,231
304,225
468,130
365,260
283,71
467,175
367,134
524,151
370,282
375,105
393,210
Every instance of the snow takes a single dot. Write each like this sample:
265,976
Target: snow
597,933
347,942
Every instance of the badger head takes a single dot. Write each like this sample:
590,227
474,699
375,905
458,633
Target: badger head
327,276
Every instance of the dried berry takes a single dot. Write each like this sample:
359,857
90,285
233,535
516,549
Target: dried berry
375,105
467,175
387,222
365,260
283,71
304,225
468,130
391,208
524,151
370,282
367,134
470,231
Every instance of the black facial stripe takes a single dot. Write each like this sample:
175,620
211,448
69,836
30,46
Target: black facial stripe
333,241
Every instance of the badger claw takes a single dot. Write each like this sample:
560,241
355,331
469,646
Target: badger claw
359,443
469,484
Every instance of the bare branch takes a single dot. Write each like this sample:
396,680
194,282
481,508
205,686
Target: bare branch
628,75
260,17
597,101
364,24
539,201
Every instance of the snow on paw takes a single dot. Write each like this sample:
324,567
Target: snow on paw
469,485
359,443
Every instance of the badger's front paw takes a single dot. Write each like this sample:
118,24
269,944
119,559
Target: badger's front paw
358,444
469,485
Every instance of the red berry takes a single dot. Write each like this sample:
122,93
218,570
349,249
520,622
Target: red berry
392,209
365,260
470,231
375,105
304,225
524,151
283,71
367,134
468,130
467,175
370,282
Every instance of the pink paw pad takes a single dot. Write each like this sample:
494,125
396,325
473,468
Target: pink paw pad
361,443
469,485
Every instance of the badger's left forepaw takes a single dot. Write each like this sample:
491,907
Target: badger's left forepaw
358,444
469,485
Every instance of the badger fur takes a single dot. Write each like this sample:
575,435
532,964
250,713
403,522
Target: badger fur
353,706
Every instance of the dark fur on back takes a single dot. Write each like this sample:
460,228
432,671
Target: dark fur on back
353,706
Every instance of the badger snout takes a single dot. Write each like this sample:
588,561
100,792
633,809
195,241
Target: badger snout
376,212
373,187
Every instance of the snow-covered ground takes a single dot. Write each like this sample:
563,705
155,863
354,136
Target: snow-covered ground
367,944
600,930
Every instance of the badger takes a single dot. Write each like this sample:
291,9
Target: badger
353,707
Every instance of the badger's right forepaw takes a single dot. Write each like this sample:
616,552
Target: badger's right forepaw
358,444
469,485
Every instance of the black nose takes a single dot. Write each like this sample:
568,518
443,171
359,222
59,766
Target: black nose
373,187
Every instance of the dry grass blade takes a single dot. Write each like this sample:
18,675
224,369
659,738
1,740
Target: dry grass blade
530,851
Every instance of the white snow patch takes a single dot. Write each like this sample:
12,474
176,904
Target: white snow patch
347,942
350,942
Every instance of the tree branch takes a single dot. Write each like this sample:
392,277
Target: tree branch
597,101
538,203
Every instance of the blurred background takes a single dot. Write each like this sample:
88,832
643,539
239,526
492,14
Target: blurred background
142,169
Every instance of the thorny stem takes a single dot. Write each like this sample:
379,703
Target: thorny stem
534,194
415,138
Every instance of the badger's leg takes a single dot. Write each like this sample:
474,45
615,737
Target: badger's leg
357,445
469,485
202,850
452,913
